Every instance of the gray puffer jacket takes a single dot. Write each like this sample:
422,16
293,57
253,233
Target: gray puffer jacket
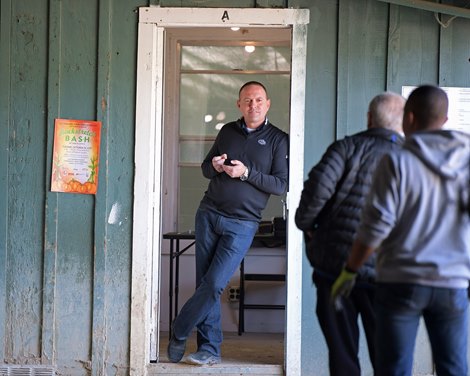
334,195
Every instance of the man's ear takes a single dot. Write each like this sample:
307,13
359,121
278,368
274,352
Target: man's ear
445,120
369,120
410,117
409,125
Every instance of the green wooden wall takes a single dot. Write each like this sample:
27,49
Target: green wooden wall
65,259
356,49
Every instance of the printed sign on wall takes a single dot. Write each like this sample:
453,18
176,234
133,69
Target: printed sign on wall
76,156
459,106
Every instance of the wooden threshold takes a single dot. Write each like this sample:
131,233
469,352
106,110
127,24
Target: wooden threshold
259,354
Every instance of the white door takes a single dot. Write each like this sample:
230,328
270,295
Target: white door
150,172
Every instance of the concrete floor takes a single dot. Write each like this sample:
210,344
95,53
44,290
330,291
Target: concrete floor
248,354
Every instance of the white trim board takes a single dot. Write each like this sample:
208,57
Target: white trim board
148,160
225,17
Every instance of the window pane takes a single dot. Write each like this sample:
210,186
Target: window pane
192,187
192,152
235,58
209,101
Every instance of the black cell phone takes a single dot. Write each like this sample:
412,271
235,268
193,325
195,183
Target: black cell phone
228,162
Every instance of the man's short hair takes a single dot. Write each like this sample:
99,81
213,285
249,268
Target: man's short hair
429,105
249,83
386,111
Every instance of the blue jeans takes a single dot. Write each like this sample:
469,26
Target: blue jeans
221,245
341,328
398,311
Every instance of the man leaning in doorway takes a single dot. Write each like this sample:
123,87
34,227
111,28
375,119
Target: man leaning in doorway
246,164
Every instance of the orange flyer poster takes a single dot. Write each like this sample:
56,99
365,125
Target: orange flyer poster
76,156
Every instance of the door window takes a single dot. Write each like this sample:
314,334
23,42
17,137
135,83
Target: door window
210,74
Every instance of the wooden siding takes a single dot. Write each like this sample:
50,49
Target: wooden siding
65,259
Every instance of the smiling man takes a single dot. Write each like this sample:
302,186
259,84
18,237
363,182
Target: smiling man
246,164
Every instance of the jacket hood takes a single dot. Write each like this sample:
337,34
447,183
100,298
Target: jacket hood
445,152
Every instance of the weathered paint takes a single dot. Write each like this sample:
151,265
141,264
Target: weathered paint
65,279
145,179
293,333
359,82
5,95
25,180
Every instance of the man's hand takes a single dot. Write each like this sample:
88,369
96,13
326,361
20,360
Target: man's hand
218,162
342,287
236,169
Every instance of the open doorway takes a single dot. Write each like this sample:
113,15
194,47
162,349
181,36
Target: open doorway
204,69
156,212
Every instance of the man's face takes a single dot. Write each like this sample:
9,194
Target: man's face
253,105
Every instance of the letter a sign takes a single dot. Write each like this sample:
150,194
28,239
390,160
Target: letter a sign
225,16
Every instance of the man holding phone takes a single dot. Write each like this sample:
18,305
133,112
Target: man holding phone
246,164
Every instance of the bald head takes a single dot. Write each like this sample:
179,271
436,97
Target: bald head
386,111
425,109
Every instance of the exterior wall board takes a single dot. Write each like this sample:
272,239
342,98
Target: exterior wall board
362,33
320,130
77,47
209,3
454,54
65,259
113,217
25,180
5,95
48,353
413,48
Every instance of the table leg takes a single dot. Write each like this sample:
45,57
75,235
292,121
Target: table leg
241,300
170,288
177,275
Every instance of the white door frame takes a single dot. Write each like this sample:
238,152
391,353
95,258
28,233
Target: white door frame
148,164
